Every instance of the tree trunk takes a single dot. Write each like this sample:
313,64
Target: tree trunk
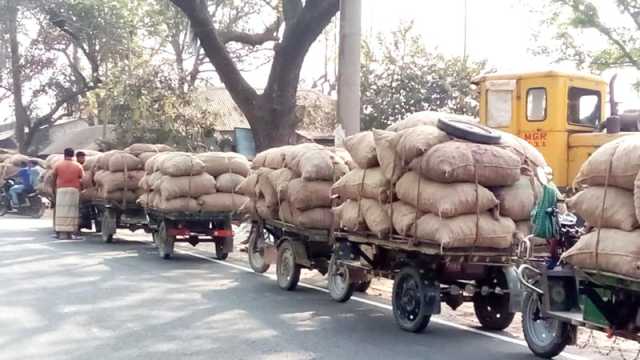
22,119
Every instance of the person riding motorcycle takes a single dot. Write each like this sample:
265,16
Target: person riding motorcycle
23,184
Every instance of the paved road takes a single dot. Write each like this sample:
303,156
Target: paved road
83,299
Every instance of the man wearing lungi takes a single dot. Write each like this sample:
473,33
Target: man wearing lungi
66,176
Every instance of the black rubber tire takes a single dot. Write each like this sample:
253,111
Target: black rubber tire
37,208
108,227
556,344
4,206
362,286
418,321
97,224
256,261
469,131
492,310
287,274
220,253
340,287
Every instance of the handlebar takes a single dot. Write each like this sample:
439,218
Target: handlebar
522,269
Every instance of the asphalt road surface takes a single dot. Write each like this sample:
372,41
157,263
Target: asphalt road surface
84,299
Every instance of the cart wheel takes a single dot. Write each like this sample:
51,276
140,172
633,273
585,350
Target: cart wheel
545,337
220,253
287,271
257,241
108,227
164,242
362,286
492,310
408,300
340,286
97,224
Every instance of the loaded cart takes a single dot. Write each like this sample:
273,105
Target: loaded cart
425,275
291,248
112,215
169,227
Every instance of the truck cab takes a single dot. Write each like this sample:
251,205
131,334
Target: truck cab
559,113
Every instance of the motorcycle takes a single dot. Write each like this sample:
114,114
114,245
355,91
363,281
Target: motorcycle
31,204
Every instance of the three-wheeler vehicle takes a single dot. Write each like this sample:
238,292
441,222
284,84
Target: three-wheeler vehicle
169,227
560,298
425,274
113,215
291,248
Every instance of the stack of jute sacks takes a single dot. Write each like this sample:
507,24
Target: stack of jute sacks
293,184
414,181
116,176
185,182
609,202
89,189
10,164
46,177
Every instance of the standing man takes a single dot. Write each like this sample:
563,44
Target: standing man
81,157
66,176
22,186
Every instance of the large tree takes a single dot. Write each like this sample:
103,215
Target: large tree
58,52
400,76
272,113
575,24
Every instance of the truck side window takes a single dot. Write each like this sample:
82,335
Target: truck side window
499,108
536,104
583,107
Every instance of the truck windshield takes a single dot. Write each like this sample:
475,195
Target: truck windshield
583,107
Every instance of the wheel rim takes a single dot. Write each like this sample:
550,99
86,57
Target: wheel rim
285,270
408,299
541,331
256,250
339,280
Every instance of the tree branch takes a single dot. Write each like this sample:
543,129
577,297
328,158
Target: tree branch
269,34
202,26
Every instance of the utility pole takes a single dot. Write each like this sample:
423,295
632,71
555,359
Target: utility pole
349,66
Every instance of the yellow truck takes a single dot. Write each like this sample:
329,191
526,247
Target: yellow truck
561,114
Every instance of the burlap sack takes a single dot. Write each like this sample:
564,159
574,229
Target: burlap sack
111,181
317,218
8,170
362,148
460,231
517,200
280,180
624,156
217,163
319,165
130,197
90,163
151,182
222,202
272,158
171,187
294,152
87,180
146,156
403,217
363,183
429,118
153,163
521,148
349,217
377,217
389,160
52,160
184,204
227,183
619,209
177,164
345,157
4,157
248,187
39,162
285,213
266,211
137,149
416,141
148,199
118,160
16,159
305,195
267,192
248,209
445,200
618,252
456,161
